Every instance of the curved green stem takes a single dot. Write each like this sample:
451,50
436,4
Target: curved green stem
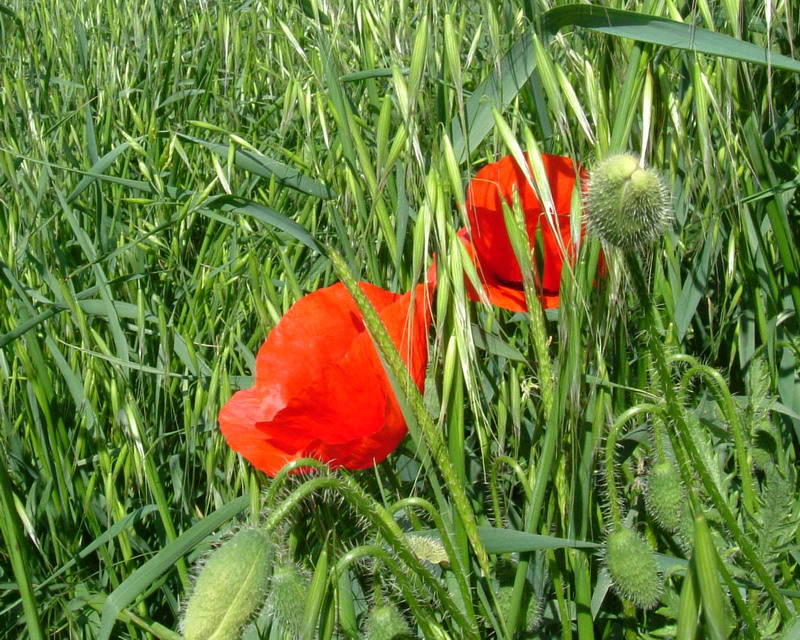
515,466
723,396
367,507
611,444
459,569
685,437
411,597
283,475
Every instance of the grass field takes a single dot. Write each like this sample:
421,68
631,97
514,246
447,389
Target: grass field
174,175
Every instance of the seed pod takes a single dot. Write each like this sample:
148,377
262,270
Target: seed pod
230,588
633,568
386,623
288,595
627,206
665,497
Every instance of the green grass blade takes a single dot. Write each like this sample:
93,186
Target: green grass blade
495,92
704,564
262,213
16,547
257,163
511,541
162,562
664,32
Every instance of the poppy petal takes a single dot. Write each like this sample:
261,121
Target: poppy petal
488,241
320,388
505,296
237,421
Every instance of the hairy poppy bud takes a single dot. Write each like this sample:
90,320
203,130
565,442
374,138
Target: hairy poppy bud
665,497
531,605
230,588
633,568
386,623
627,206
287,598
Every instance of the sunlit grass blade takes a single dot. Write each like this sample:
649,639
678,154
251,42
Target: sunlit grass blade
163,561
664,32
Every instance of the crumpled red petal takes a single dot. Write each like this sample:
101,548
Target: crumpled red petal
487,240
499,294
320,390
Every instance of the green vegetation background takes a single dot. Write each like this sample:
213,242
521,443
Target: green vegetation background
168,173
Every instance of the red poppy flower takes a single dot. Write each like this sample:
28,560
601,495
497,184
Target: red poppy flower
487,239
320,390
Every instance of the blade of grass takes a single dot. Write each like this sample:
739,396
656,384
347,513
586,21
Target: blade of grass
162,562
661,31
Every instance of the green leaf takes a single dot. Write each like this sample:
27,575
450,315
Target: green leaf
97,169
704,565
493,344
261,165
694,287
495,92
369,74
664,32
262,213
162,562
510,541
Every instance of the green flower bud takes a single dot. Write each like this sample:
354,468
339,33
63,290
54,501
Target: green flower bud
530,604
230,588
385,623
633,568
627,206
288,595
665,498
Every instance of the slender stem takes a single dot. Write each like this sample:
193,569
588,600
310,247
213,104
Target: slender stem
431,435
459,569
725,401
518,234
367,507
685,436
15,541
611,445
515,223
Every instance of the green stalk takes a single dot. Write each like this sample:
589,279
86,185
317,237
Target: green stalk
431,435
368,508
460,570
724,399
17,551
611,444
685,437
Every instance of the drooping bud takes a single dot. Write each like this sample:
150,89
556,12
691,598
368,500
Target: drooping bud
627,206
665,498
633,568
288,595
230,588
531,605
386,623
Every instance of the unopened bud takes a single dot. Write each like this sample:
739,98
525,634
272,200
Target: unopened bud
633,568
288,595
385,623
230,588
627,206
665,497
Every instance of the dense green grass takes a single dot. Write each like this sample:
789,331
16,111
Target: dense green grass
170,173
